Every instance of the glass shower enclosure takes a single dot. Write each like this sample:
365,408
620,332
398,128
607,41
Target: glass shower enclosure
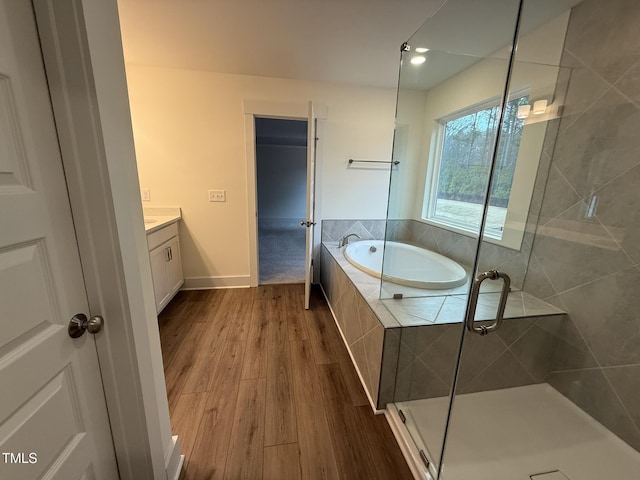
514,201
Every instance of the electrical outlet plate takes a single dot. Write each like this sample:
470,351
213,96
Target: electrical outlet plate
146,194
217,195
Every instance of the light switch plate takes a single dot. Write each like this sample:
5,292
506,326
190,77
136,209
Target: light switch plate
217,195
146,194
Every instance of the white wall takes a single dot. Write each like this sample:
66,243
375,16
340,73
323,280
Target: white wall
189,135
282,181
407,149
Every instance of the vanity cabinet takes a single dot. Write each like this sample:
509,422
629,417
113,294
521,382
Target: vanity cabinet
166,264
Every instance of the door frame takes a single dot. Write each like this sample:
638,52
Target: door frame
281,110
83,58
305,179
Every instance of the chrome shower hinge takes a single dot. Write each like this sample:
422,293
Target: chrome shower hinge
402,417
424,458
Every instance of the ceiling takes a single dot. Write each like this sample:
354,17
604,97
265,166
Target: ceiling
465,31
343,41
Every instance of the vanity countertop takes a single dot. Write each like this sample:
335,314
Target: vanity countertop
156,218
153,223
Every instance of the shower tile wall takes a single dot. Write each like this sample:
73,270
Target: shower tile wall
518,354
586,250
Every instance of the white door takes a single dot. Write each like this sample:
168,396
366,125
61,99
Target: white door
53,417
311,187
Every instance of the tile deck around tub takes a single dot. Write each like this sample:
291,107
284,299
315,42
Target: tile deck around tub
429,307
367,285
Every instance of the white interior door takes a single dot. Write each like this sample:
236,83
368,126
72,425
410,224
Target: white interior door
53,417
311,187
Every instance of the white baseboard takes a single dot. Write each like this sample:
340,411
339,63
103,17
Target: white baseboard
206,283
174,459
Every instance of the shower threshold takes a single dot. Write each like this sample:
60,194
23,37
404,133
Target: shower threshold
514,434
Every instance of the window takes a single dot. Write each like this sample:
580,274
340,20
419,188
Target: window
460,170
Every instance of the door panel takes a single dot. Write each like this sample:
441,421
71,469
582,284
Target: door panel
23,291
45,425
12,166
53,419
311,186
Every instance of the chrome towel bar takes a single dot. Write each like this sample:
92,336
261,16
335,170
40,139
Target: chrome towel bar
394,162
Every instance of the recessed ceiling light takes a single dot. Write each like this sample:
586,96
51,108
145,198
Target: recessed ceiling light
422,50
418,59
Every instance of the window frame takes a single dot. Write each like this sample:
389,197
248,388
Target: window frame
512,240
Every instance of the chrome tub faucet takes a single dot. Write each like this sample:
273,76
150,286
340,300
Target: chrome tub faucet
345,240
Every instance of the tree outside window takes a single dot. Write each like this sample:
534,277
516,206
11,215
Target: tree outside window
465,161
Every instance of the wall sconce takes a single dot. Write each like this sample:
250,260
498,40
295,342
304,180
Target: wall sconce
539,107
523,111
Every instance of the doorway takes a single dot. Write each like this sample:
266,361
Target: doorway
281,186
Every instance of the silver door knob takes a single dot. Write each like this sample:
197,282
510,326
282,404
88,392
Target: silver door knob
79,324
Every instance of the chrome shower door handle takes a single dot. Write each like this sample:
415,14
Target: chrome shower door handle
473,302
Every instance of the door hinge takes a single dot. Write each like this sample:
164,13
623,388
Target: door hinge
402,417
312,262
424,458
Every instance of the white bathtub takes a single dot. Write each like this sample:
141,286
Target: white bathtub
406,264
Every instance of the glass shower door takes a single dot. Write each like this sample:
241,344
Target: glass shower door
505,343
536,393
517,136
449,115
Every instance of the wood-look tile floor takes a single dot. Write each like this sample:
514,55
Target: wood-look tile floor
260,388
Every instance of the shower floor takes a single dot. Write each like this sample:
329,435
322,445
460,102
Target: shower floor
516,433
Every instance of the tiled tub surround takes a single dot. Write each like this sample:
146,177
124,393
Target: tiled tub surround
370,337
462,248
334,230
588,263
453,245
436,306
384,346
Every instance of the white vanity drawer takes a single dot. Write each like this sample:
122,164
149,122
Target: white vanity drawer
157,238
